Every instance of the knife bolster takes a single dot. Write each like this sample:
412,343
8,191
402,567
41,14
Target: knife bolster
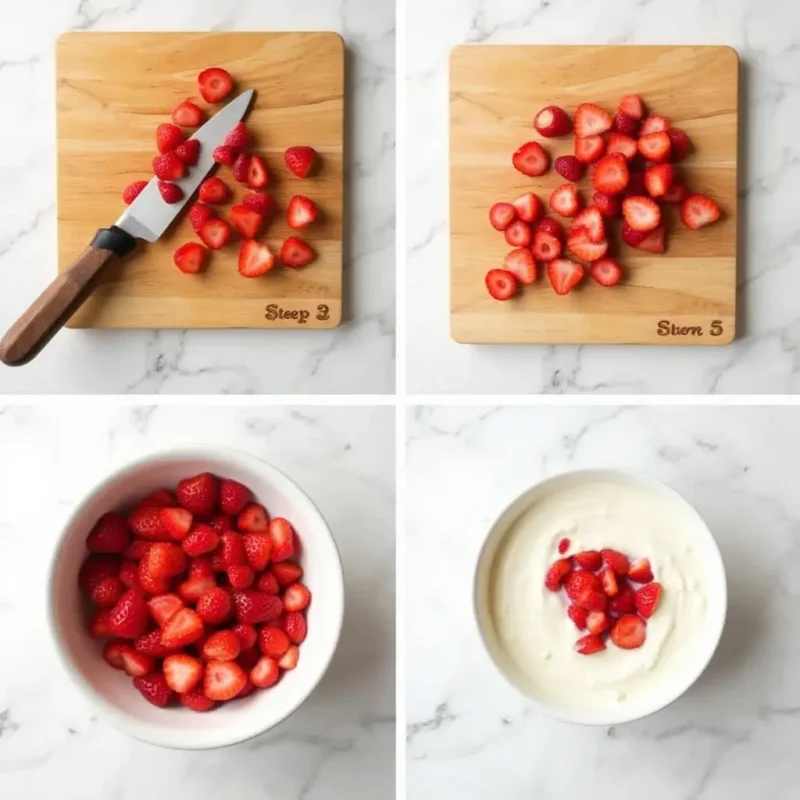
118,241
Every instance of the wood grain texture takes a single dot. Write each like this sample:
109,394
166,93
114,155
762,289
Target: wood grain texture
114,89
495,91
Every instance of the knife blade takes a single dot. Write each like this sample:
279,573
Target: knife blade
146,218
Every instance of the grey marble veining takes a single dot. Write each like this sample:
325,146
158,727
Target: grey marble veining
358,357
765,357
340,744
732,736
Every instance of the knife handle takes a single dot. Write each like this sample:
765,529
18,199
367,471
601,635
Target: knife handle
62,298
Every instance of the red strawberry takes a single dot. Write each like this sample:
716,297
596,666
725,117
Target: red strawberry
658,179
132,191
154,688
165,560
565,200
112,653
282,535
258,549
224,155
170,192
255,259
564,275
160,497
655,147
294,623
625,124
145,522
196,700
655,123
240,576
182,628
521,265
589,559
176,521
150,645
640,571
592,643
190,258
168,167
100,625
569,167
591,120
241,167
681,143
578,615
592,220
286,572
608,204
624,602
676,193
268,583
556,574
273,641
214,606
188,152
300,160
253,518
647,599
223,680
552,121
620,143
631,237
245,221
201,539
260,203
563,546
289,659
265,673
697,211
641,213
606,272
610,175
199,213
128,619
616,562
588,150
248,635
579,243
168,137
545,246
501,284
106,592
296,253
632,105
238,138
518,234
199,494
129,574
163,606
256,607
182,672
296,597
531,159
138,549
550,226
654,242
148,583
222,646
610,585
580,581
528,207
301,212
109,535
597,622
214,84
188,115
257,175
232,547
629,632
214,191
221,523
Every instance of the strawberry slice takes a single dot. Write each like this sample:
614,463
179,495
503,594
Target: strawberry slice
589,559
598,622
632,105
301,160
214,191
154,688
616,562
255,259
188,115
640,571
273,641
282,535
165,560
592,600
552,121
697,211
587,645
170,192
182,672
521,265
301,212
261,203
658,179
608,204
168,137
296,253
681,143
265,673
641,213
223,680
579,582
528,207
253,518
177,521
163,606
501,215
296,597
655,241
591,120
655,147
556,574
606,272
565,200
564,275
245,221
198,214
676,193
579,243
238,138
192,589
610,174
589,150
592,220
257,175
286,572
625,124
147,582
188,152
132,191
546,247
222,646
647,599
214,84
655,123
629,632
168,167
609,581
182,628
531,159
569,167
620,143
290,658
225,155
518,234
578,615
215,233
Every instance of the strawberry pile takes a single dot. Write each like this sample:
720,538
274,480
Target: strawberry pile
256,209
600,599
196,593
632,160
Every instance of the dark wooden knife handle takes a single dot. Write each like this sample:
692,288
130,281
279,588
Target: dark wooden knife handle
62,298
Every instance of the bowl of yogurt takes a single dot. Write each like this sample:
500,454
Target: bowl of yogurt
530,638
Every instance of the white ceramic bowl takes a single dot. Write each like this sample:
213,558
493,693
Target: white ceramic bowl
111,690
673,683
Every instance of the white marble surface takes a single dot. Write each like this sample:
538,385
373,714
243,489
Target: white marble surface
765,358
733,735
340,744
358,357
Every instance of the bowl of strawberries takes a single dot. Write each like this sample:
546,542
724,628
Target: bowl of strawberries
196,597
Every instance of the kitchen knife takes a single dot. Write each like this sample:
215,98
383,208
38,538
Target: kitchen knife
146,218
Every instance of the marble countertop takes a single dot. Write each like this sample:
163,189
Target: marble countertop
765,358
470,735
357,357
340,744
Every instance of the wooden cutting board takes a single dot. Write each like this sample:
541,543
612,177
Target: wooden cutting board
685,296
115,88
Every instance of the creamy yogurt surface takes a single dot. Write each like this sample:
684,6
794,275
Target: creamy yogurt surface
533,638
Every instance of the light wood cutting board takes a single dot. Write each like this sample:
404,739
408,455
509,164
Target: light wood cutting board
685,296
114,89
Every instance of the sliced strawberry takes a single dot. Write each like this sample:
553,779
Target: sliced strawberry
129,616
654,241
223,680
658,179
112,653
625,124
301,160
629,632
591,120
188,115
240,576
655,123
589,559
620,143
610,175
150,645
196,700
282,535
241,168
149,583
501,284
214,84
201,539
168,137
182,672
616,562
225,155
697,211
569,167
100,625
531,159
648,598
265,673
182,628
579,243
188,152
257,175
301,212
165,560
190,258
168,167
528,207
198,214
592,220
294,623
215,233
641,213
589,644
521,265
610,585
681,143
273,641
222,646
597,622
640,571
256,607
238,138
624,602
261,203
163,606
655,147
518,234
545,246
578,615
563,546
609,205
501,215
109,535
287,572
550,226
176,521
255,259
245,221
132,191
564,275
214,606
676,193
565,200
589,150
289,659
253,518
632,105
170,192
214,191
579,581
552,121
154,688
296,597
557,573
296,253
606,272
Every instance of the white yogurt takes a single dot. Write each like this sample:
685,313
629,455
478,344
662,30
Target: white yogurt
526,626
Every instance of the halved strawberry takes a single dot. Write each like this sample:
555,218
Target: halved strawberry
632,105
609,205
658,179
518,234
697,211
578,615
214,84
168,137
528,207
182,672
262,203
255,259
655,147
655,241
286,572
641,213
579,581
135,663
132,191
168,167
624,602
677,192
296,597
609,581
545,246
501,284
290,658
579,243
296,253
557,573
589,559
591,120
129,616
564,275
222,646
241,168
300,160
589,150
629,632
215,233
238,138
606,272
589,644
610,175
640,571
223,680
214,191
265,673
282,535
253,518
257,175
154,688
182,628
625,124
552,121
620,143
109,535
273,641
301,212
196,700
170,192
681,143
176,521
569,167
616,562
520,264
190,258
551,226
198,214
655,123
501,215
112,653
592,220
200,539
163,606
648,598
225,155
565,200
245,221
598,622
147,582
165,560
188,115
188,152
294,623
531,159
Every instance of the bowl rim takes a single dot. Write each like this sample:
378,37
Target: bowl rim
596,473
145,731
